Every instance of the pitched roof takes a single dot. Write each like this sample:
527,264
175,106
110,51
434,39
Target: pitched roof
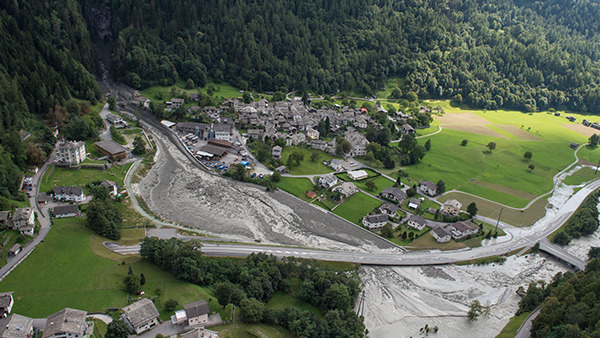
453,203
66,320
196,309
212,149
417,219
111,147
376,218
141,312
428,184
22,214
15,326
463,226
108,183
66,209
440,232
388,206
396,192
60,190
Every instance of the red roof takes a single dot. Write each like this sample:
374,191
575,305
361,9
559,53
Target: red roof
311,194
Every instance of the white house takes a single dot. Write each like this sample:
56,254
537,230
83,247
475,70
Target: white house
451,207
347,189
115,120
197,312
276,153
222,131
70,153
358,142
440,235
358,175
336,164
140,316
374,222
71,194
460,230
417,222
71,210
328,181
427,187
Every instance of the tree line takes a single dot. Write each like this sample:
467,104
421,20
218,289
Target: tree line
251,282
569,304
490,54
584,221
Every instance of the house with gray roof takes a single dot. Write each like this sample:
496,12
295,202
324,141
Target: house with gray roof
328,181
441,235
68,194
417,222
140,316
393,194
427,187
374,222
16,326
71,210
65,323
197,312
389,209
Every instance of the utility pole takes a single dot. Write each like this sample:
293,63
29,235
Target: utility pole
597,168
497,223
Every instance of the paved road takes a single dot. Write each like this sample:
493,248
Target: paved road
42,216
525,328
433,257
561,254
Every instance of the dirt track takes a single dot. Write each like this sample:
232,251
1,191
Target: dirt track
178,191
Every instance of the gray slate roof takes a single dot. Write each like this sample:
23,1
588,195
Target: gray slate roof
66,209
59,190
15,326
141,312
111,147
196,309
66,320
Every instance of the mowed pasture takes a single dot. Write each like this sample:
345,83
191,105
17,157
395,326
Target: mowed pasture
502,175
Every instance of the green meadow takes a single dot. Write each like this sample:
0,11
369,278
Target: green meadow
501,175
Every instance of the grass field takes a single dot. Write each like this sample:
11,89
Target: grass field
81,177
64,272
357,206
501,175
307,166
380,183
295,186
514,217
582,175
510,330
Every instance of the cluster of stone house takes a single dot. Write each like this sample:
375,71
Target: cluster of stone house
70,153
22,220
456,231
297,123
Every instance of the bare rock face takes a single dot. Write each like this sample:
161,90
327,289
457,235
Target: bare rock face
180,192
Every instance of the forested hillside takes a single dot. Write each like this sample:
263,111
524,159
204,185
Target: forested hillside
569,304
46,59
509,53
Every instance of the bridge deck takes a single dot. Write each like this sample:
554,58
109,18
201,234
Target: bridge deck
561,254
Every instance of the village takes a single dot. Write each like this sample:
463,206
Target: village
220,145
